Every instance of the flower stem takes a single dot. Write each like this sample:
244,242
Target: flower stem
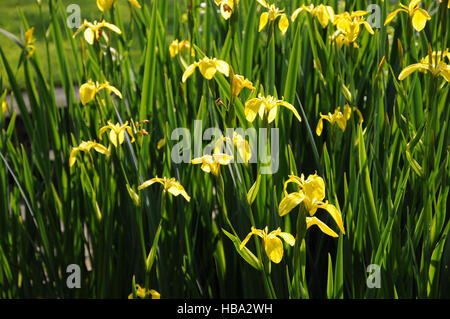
221,200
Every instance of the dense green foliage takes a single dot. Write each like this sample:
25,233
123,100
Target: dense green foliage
389,176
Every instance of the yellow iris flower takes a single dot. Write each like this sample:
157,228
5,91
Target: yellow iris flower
93,31
338,118
4,107
349,28
266,106
239,82
208,68
272,15
117,133
433,63
418,16
226,7
242,145
105,5
29,40
171,185
273,246
177,46
144,293
325,14
86,147
211,163
311,194
90,89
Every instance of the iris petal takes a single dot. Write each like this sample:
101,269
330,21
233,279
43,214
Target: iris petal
274,248
310,221
289,202
263,21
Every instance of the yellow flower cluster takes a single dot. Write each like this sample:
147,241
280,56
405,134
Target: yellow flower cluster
116,137
349,28
88,90
265,107
310,193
